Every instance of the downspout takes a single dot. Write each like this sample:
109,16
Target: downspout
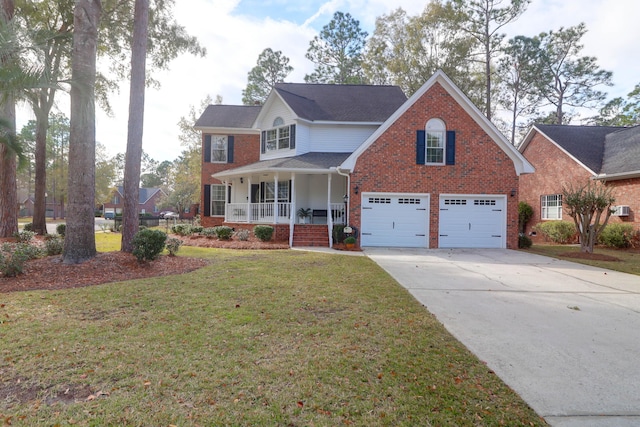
292,218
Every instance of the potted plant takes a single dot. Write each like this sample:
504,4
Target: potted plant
303,214
350,242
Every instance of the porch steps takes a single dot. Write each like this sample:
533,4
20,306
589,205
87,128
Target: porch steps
311,235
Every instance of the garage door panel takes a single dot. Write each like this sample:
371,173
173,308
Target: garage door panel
472,222
394,220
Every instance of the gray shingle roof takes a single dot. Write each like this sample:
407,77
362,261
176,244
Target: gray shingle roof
229,116
622,152
585,143
342,103
144,194
309,161
603,149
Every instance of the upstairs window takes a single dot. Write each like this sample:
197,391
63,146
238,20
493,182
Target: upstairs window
279,138
218,149
551,206
435,141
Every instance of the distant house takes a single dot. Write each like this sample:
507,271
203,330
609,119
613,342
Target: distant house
429,171
52,209
566,155
149,201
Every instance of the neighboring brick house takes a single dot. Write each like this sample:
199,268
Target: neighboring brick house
566,155
430,171
149,201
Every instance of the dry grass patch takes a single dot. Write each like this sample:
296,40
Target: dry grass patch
256,338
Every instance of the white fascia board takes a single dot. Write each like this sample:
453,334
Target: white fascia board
521,164
227,131
267,105
334,123
618,176
235,173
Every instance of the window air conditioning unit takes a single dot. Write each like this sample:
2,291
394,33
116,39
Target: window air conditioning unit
621,211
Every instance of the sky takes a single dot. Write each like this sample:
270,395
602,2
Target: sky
235,32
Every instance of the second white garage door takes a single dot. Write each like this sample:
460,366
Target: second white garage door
395,220
477,221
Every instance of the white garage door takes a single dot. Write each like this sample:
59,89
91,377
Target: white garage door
392,219
477,221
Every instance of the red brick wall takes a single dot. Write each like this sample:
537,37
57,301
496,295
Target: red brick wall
246,151
481,166
554,170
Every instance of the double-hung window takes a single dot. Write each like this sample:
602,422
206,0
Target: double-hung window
435,141
280,137
270,191
218,199
218,149
551,206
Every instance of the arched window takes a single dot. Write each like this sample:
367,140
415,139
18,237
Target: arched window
435,141
278,122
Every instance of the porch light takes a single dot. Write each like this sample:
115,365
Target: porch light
513,192
345,199
356,190
241,180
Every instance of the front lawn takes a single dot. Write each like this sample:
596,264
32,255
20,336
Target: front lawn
255,338
626,261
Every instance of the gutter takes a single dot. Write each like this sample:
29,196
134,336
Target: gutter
617,176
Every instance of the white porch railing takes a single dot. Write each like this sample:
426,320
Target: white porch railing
338,213
258,212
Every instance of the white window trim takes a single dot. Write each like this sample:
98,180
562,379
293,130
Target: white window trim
435,129
551,211
275,139
214,200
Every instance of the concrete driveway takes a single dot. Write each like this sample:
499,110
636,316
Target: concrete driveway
564,336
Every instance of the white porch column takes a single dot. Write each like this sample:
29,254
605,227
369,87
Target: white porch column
329,212
249,200
275,200
292,216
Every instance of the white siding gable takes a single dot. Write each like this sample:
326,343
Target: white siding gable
338,138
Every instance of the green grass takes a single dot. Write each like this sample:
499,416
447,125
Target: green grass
108,242
628,261
256,338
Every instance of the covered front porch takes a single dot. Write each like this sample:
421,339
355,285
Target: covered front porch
258,194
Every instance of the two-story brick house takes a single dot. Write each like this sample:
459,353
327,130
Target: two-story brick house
429,171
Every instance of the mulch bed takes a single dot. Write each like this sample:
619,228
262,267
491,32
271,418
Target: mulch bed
51,274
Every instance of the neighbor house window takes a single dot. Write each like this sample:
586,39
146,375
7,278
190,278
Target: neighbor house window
435,141
217,199
218,149
551,206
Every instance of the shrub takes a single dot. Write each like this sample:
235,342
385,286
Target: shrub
182,229
616,235
350,240
196,228
25,236
148,244
338,233
54,245
173,246
61,229
242,235
208,232
263,232
223,232
28,250
557,231
524,242
525,213
11,261
28,226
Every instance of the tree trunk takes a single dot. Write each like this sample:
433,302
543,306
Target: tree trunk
80,239
40,196
136,122
8,160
